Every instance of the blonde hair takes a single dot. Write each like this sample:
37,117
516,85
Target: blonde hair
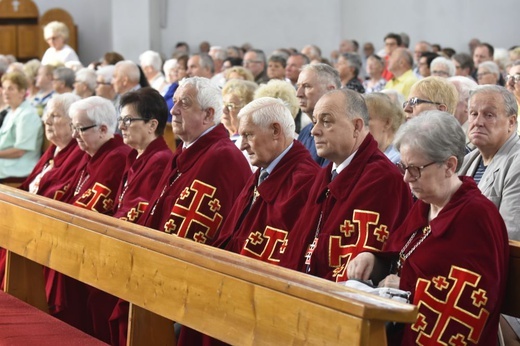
381,106
282,90
440,90
243,89
240,71
56,28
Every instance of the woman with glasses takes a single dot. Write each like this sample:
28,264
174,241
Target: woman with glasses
56,35
513,83
142,123
175,70
235,94
21,134
431,93
93,187
451,252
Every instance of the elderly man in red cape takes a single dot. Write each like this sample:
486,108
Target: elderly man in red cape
355,202
269,205
206,173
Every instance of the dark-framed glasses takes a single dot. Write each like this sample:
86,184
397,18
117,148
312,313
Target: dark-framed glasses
414,171
414,101
127,121
515,77
81,129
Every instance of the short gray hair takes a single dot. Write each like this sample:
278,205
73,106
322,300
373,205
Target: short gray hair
268,110
353,103
327,75
87,76
98,109
464,85
208,95
442,61
510,105
62,101
107,72
491,67
435,134
354,60
129,69
66,75
151,58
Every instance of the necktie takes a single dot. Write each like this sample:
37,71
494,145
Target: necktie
262,177
334,175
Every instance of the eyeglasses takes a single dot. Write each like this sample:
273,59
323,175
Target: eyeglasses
231,106
104,83
248,62
127,121
81,129
440,73
482,74
414,101
414,171
515,77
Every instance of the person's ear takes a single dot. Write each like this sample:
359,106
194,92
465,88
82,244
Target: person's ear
442,107
277,130
451,165
210,116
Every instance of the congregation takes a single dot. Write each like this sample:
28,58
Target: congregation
399,167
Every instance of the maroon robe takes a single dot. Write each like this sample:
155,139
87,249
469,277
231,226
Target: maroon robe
458,274
358,209
54,183
262,232
140,179
93,187
197,191
136,188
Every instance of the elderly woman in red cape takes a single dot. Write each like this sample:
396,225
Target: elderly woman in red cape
143,118
451,252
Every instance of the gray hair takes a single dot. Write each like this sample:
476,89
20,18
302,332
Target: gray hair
87,76
66,75
218,53
464,85
107,72
208,95
4,64
62,101
442,61
354,104
510,105
206,61
491,67
57,28
151,58
268,110
327,75
129,69
354,60
435,134
98,109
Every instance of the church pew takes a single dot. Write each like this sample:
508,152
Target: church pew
227,296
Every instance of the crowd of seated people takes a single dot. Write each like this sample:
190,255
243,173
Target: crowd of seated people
362,166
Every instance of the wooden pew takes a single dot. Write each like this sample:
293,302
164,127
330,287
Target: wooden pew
230,297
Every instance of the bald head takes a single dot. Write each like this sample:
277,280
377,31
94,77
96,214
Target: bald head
126,76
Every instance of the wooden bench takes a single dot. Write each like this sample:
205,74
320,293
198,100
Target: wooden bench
230,297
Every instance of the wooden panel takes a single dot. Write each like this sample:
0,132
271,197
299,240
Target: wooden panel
242,300
8,39
25,9
25,281
511,305
28,41
139,332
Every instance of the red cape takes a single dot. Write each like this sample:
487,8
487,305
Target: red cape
361,207
457,275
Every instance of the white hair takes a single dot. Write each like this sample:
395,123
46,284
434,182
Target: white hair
442,61
268,110
208,95
107,72
151,58
98,109
87,76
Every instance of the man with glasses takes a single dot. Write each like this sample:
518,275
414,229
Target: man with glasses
255,61
207,172
429,94
345,212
